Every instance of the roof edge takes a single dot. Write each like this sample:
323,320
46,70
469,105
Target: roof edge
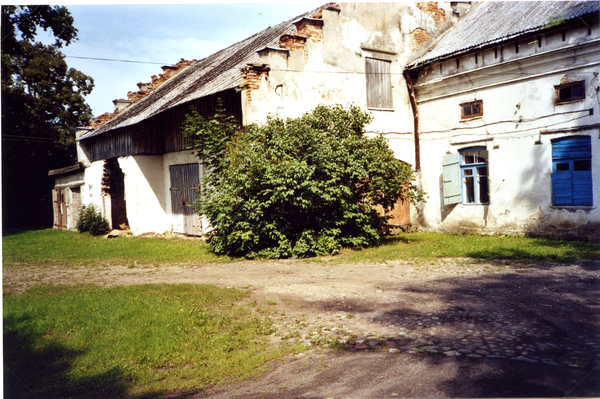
542,28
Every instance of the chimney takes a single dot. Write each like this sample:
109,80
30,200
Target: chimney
144,87
460,8
170,70
121,104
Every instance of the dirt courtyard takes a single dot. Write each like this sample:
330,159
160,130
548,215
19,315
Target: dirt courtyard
451,328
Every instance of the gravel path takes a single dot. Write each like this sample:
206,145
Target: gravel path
546,315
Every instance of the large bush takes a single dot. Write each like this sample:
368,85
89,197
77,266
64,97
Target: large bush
296,187
90,219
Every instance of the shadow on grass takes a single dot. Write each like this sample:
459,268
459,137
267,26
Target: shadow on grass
14,231
571,251
527,332
36,367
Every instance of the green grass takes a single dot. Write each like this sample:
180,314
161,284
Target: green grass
145,341
54,247
135,341
429,246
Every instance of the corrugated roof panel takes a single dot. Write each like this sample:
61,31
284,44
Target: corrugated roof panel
493,21
215,73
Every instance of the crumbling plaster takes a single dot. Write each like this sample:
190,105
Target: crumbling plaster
330,68
520,120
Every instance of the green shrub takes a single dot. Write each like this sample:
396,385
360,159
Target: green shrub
298,187
90,219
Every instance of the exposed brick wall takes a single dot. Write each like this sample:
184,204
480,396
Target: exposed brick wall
102,119
309,29
252,76
292,42
144,90
418,37
431,8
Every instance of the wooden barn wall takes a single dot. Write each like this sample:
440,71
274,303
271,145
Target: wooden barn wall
161,133
206,106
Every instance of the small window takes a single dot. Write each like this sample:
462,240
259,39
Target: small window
570,92
471,110
379,84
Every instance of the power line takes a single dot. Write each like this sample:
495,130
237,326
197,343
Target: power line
115,60
474,72
11,137
13,30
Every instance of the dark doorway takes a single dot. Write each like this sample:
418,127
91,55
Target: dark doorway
113,185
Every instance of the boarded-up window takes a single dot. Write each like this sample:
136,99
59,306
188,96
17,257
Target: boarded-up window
572,171
379,84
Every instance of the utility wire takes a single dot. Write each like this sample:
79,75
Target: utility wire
29,16
114,60
11,137
509,121
214,66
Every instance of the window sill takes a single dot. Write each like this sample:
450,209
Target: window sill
471,119
569,101
382,109
573,207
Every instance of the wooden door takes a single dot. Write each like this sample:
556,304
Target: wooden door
185,180
400,217
61,210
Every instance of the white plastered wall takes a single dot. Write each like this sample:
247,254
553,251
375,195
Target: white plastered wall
144,193
91,191
520,118
331,69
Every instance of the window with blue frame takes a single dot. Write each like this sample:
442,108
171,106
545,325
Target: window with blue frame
465,177
474,176
572,171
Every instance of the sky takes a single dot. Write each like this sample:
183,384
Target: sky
154,35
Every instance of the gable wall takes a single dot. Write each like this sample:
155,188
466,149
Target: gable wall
326,64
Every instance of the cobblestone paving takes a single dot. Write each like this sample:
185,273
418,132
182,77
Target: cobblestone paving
453,334
519,315
540,314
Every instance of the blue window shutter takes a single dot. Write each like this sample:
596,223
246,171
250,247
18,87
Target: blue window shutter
582,187
451,178
562,187
572,147
572,186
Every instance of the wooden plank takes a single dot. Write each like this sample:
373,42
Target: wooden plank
451,178
379,86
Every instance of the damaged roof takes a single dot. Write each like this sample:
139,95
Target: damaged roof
495,21
213,74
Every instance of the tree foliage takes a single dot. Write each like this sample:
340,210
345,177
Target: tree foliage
43,101
297,187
